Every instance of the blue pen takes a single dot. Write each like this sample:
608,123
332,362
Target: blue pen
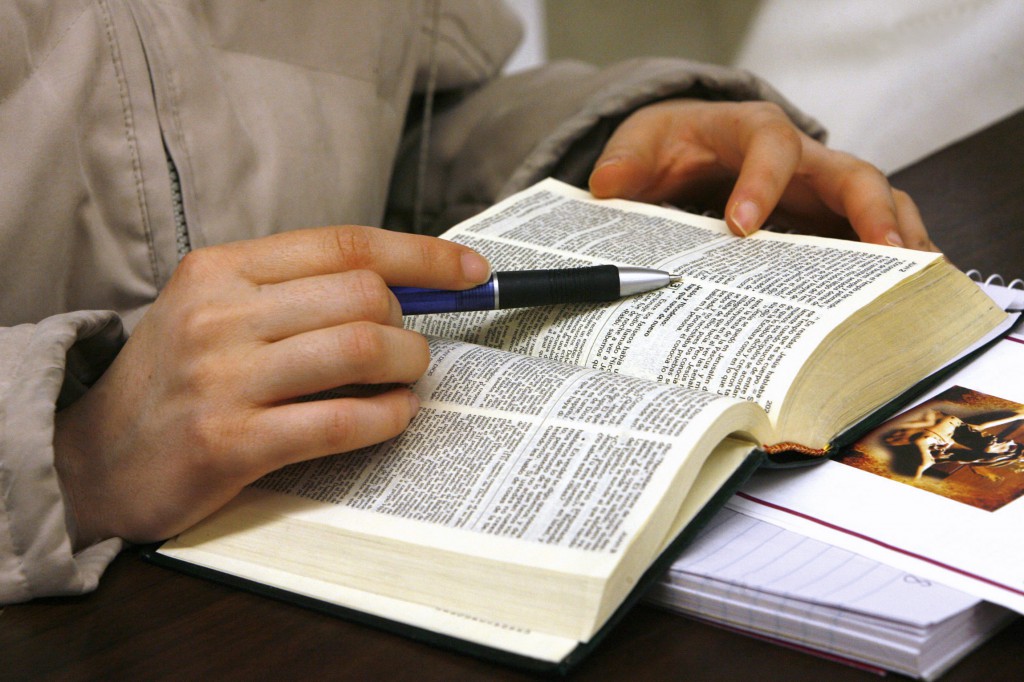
519,289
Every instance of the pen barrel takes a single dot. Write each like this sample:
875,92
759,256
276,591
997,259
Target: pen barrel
544,287
417,301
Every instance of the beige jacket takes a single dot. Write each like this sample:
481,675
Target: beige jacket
132,131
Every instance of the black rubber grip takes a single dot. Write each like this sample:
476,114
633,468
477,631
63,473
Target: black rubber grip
544,287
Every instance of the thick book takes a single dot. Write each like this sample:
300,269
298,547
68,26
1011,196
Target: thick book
564,454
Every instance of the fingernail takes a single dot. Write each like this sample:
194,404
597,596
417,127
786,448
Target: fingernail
414,403
475,267
894,238
745,216
607,162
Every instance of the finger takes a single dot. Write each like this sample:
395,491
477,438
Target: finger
857,190
868,204
860,193
401,259
301,431
802,210
625,165
355,353
323,301
911,225
771,153
651,156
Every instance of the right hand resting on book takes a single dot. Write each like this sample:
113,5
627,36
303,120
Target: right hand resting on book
752,159
202,400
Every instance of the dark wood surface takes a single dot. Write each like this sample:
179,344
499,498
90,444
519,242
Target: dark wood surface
146,622
971,197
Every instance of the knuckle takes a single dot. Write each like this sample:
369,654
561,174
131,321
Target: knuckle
902,198
419,354
351,244
345,429
430,251
764,113
784,132
198,265
858,175
368,294
211,440
773,109
865,170
340,430
199,323
223,447
364,343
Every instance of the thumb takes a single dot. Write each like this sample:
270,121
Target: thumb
626,167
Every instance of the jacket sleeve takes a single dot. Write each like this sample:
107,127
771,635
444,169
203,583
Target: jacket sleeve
551,121
44,366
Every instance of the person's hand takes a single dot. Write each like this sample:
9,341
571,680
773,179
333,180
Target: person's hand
749,158
202,399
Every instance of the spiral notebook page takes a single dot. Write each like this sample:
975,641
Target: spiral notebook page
757,578
739,550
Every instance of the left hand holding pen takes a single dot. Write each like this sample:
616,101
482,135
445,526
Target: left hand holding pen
685,151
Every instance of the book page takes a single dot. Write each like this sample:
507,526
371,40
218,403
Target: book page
746,315
945,480
516,470
522,448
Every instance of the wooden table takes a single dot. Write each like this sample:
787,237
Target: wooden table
971,196
146,622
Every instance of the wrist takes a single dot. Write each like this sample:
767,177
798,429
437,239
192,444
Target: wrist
67,458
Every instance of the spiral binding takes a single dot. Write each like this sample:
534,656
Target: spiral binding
995,280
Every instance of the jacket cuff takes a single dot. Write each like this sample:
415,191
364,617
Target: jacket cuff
43,365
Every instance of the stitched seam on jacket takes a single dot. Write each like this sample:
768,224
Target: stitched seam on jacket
129,134
177,130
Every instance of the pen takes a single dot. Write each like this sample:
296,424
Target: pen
522,288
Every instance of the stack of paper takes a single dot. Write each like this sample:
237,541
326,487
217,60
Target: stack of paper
758,578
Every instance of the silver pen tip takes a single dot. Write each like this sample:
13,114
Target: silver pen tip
673,278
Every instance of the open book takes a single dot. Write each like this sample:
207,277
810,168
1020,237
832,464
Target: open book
563,454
